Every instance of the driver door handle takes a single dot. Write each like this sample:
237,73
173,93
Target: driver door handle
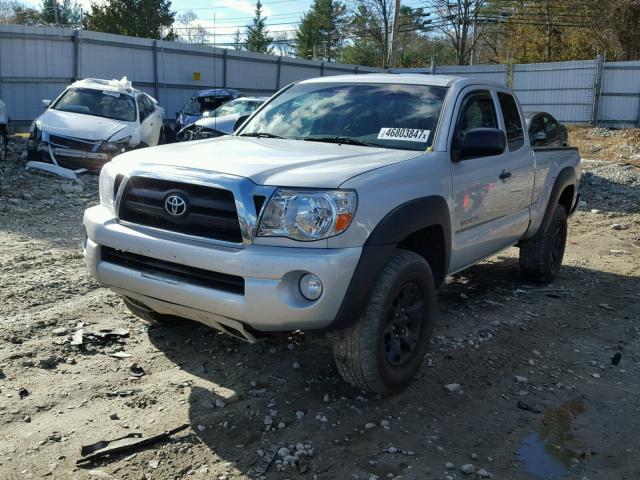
505,174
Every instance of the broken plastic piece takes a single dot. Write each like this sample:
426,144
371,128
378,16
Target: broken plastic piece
127,443
266,460
527,408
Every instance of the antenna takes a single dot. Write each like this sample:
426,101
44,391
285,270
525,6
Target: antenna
215,77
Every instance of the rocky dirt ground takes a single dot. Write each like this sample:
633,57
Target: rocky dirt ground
522,381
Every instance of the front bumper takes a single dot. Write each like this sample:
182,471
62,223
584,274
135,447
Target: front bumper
271,299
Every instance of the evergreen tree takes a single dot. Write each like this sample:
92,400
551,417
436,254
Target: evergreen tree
67,12
258,39
136,18
237,40
319,34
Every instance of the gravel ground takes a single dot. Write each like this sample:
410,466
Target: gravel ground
521,382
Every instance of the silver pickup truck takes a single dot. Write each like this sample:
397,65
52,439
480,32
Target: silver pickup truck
340,205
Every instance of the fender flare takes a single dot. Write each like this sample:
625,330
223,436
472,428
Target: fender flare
566,178
398,224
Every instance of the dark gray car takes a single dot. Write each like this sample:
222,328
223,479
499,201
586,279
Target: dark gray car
545,130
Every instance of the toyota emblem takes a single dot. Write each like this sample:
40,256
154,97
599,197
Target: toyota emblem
175,205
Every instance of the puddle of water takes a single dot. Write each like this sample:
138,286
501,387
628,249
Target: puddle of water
547,455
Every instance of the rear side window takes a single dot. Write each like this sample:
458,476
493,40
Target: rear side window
512,122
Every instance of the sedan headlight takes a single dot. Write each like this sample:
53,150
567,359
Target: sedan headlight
116,147
308,215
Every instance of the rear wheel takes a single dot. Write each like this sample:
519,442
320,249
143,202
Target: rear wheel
541,256
383,350
151,316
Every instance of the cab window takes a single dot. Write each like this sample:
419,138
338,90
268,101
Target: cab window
512,122
477,111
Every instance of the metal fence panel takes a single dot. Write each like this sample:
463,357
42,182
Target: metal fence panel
494,73
620,94
38,62
564,89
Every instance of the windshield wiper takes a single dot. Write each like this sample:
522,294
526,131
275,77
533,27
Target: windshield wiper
260,135
344,140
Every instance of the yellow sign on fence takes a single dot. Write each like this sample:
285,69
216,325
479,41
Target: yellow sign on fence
196,76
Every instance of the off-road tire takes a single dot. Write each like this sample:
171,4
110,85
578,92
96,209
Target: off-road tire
541,256
359,350
152,317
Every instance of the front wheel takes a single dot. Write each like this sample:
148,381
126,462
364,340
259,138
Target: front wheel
383,350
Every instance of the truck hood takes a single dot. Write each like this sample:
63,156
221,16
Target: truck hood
265,161
79,125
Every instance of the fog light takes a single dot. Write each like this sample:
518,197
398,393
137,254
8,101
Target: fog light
310,286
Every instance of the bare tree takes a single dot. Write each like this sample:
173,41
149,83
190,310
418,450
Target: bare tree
12,11
458,20
284,44
189,30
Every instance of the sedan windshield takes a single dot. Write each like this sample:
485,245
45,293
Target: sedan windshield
381,115
107,104
236,106
199,105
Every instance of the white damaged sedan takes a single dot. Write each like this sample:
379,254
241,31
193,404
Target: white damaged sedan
92,121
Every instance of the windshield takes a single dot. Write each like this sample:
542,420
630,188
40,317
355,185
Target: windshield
237,106
199,105
382,115
107,104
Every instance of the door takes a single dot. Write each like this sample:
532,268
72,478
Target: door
490,192
145,121
150,120
155,124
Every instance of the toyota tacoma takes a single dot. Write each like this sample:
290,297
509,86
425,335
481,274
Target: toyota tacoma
340,205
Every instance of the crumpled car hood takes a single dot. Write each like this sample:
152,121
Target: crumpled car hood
290,163
223,124
79,125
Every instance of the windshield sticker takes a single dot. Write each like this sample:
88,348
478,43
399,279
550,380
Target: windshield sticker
404,134
111,94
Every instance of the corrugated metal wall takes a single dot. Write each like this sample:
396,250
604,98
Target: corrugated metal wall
38,62
619,103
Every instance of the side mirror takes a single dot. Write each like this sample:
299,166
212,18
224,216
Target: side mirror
482,142
46,103
241,119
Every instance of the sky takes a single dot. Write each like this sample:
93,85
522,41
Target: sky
231,15
282,15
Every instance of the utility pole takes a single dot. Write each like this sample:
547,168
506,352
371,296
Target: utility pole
55,12
394,35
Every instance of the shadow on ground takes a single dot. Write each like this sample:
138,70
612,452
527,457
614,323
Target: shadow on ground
259,381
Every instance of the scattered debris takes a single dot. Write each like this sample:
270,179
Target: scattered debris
120,355
615,360
527,408
127,443
453,387
468,469
266,459
136,370
23,393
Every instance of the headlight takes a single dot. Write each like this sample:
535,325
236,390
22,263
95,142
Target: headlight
107,194
308,215
115,147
